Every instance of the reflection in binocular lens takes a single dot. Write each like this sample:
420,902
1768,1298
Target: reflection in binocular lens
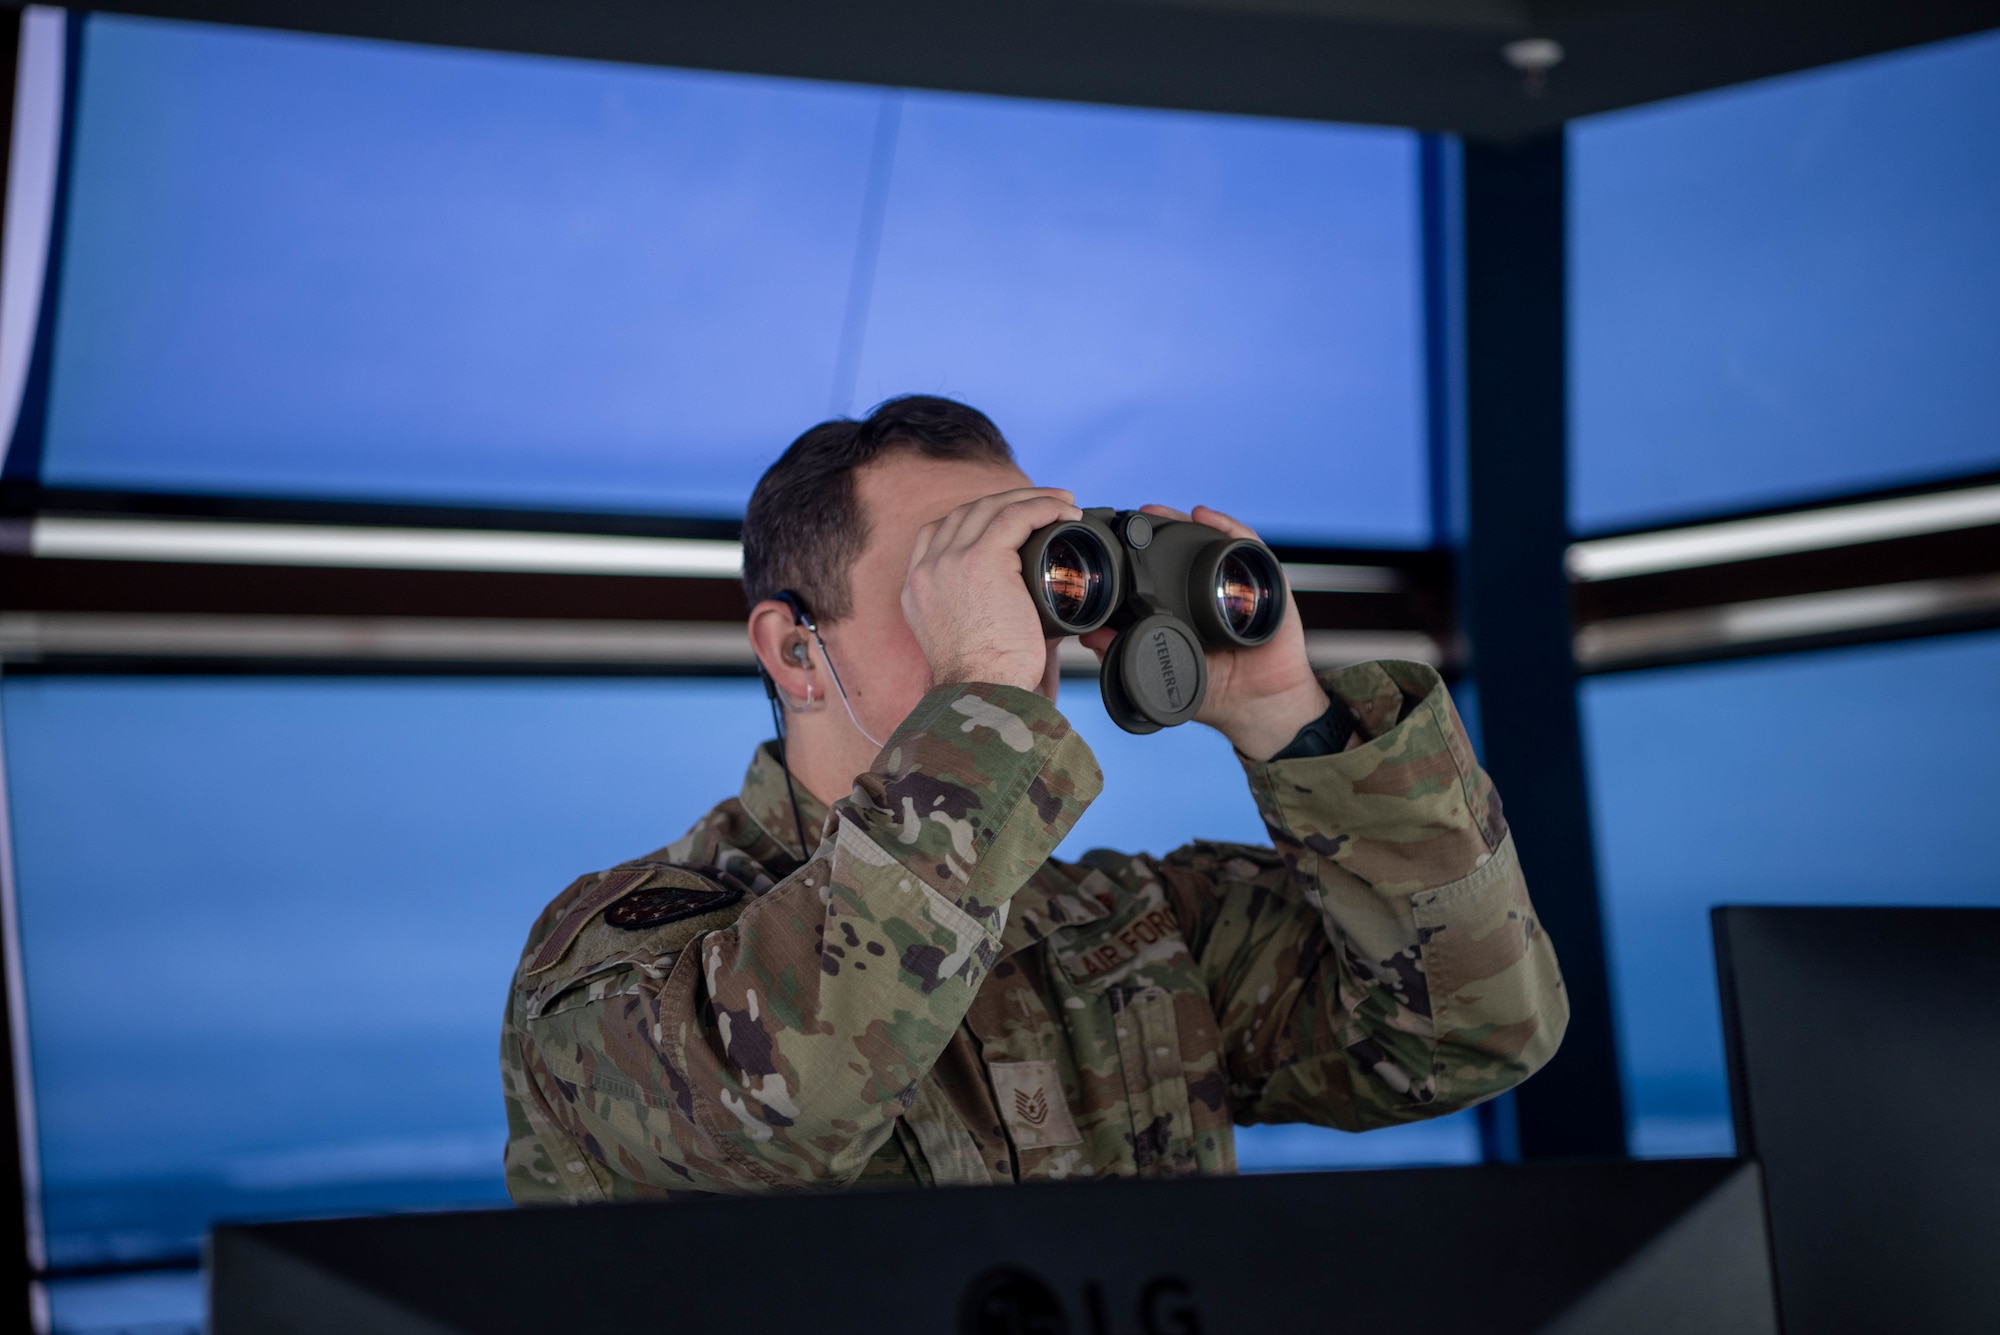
1073,579
1244,591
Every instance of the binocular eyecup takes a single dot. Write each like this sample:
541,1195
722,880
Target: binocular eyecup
1172,590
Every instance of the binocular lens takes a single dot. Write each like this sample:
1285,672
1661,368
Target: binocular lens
1246,593
1074,574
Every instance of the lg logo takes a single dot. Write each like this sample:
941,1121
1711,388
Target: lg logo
1018,1302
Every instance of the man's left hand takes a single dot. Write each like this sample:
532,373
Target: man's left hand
1257,698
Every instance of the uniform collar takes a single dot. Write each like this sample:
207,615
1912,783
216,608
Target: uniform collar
765,799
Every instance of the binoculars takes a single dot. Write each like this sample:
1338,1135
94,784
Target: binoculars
1172,590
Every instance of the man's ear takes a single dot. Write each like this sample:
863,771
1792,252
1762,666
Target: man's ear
776,638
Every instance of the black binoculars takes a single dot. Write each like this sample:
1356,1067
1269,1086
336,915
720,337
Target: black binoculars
1172,590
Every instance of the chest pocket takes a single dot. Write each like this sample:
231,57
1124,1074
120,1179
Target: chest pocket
1149,1056
1137,965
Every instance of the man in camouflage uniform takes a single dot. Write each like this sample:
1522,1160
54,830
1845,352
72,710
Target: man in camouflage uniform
875,974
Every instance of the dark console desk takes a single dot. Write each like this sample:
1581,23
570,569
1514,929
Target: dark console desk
1865,1068
1619,1248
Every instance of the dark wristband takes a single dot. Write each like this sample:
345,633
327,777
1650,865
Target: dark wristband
1326,735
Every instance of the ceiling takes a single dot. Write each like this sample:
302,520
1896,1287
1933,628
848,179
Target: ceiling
1431,64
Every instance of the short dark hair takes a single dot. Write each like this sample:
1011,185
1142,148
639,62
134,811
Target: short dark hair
804,527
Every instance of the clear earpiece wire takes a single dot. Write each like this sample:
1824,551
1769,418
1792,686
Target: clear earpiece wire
875,741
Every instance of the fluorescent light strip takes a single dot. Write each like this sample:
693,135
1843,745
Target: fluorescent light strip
1307,577
62,537
88,539
26,636
1621,640
1340,648
1778,535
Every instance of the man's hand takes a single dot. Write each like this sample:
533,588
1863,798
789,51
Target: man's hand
964,597
1257,698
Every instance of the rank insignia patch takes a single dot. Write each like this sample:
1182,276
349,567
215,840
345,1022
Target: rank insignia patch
1031,1103
656,904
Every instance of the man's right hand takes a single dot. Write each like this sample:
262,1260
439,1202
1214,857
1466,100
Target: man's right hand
964,597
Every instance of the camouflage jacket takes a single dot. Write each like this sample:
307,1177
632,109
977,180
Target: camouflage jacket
927,998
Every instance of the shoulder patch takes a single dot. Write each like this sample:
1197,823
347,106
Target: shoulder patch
672,894
640,891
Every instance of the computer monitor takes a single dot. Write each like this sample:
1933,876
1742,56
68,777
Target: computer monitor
1864,1059
1606,1249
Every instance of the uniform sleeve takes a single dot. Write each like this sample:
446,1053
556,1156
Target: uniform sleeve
778,1051
1387,964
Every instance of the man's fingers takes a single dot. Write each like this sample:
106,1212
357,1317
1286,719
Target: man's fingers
963,596
1011,526
1098,641
1235,528
1204,515
925,537
965,525
947,527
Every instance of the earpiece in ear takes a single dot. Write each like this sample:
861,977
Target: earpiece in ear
797,653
